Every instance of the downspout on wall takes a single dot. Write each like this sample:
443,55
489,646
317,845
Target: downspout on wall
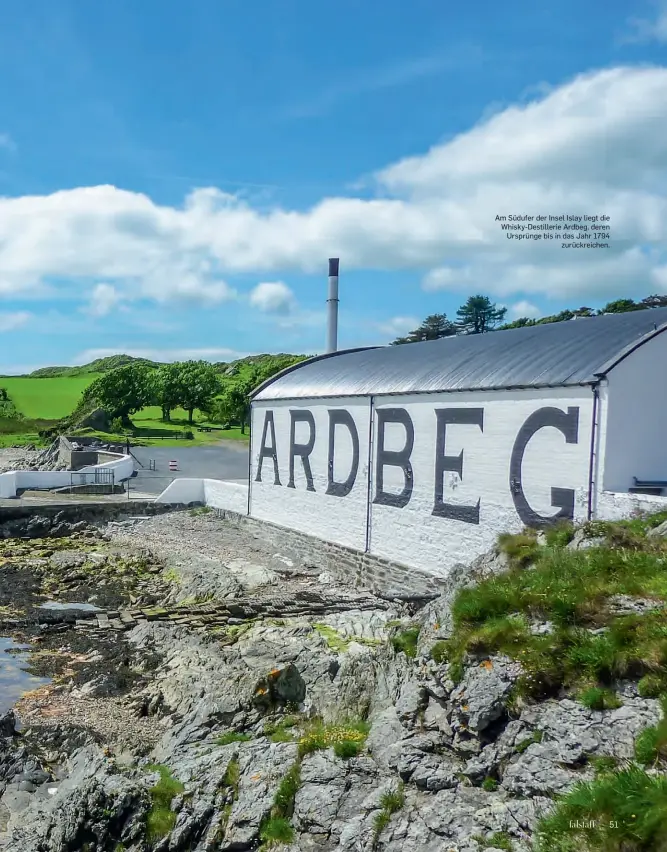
592,462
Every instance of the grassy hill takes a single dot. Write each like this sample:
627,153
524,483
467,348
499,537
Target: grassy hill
51,393
99,365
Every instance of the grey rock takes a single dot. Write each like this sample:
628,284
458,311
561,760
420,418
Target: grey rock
659,531
412,699
481,695
7,724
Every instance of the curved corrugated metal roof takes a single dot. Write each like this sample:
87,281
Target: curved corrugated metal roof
574,352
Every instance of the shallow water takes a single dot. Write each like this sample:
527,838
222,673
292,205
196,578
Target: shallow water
87,607
14,679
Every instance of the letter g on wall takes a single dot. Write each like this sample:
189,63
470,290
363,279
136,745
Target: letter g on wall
567,424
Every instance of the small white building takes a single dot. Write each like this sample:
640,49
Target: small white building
423,453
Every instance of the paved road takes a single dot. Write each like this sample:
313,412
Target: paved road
225,460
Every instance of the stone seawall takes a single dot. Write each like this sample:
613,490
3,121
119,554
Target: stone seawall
56,519
387,579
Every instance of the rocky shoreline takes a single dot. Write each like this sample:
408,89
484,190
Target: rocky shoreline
318,720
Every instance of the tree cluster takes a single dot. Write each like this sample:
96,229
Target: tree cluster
126,390
479,314
191,385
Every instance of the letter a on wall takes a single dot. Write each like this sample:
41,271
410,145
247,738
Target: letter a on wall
561,498
268,452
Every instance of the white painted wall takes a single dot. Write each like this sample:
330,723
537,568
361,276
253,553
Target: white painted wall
613,506
216,493
412,534
636,423
232,496
337,519
17,480
416,537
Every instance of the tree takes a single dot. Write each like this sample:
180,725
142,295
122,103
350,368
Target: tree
621,306
479,315
166,388
198,384
121,392
655,301
434,327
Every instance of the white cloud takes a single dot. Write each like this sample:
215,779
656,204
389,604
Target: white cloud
166,355
272,297
398,326
103,300
12,321
594,145
654,29
524,309
7,142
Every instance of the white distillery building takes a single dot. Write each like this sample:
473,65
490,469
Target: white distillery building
424,453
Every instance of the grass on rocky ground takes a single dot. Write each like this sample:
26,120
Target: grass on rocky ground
623,811
571,589
232,737
406,641
348,738
390,803
161,819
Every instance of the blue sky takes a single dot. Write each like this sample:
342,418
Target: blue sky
174,176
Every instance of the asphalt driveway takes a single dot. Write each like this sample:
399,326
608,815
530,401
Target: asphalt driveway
225,460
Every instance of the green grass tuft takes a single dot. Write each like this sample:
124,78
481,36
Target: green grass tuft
347,739
597,698
522,548
625,810
161,819
276,830
489,784
232,737
652,686
232,774
406,641
390,802
535,737
439,652
603,763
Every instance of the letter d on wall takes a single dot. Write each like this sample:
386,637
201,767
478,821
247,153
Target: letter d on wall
342,417
561,498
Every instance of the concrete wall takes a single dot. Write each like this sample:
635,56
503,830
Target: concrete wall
636,419
24,480
216,493
433,485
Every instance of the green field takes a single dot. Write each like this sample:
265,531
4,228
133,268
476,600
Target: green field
46,399
56,397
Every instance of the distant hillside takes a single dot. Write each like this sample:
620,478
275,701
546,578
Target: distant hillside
229,368
99,365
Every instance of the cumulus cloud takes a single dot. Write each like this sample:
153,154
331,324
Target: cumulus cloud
524,309
650,29
272,297
103,300
398,326
12,321
594,145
